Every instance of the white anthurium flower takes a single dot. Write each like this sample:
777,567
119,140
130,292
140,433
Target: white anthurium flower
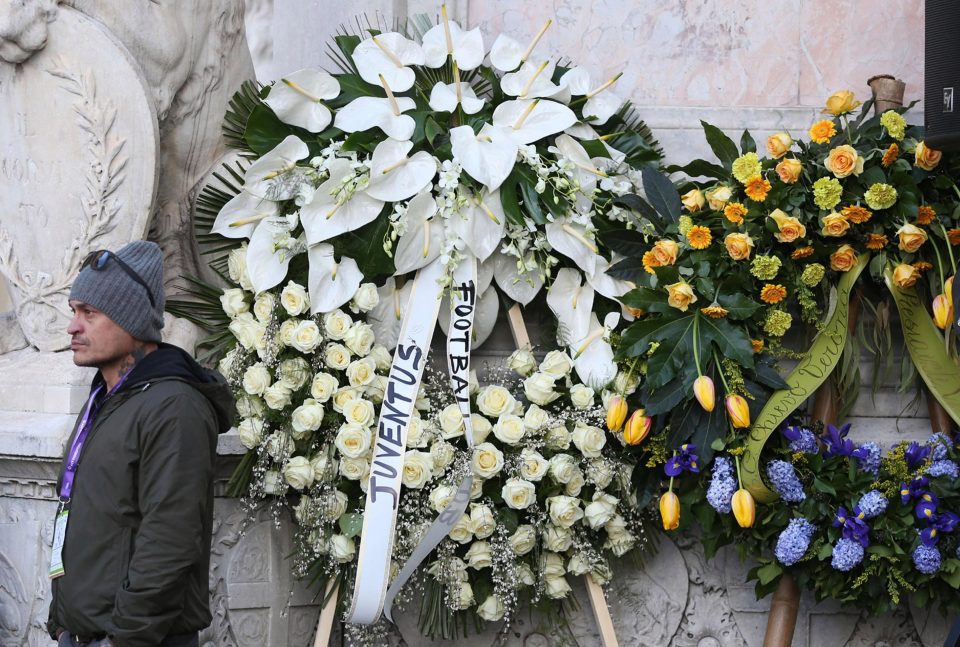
601,104
507,54
261,175
593,355
587,171
488,157
328,215
570,239
571,302
466,47
528,121
241,215
297,99
484,318
331,283
364,113
423,239
604,283
444,98
532,80
598,109
522,288
268,256
480,224
584,131
485,275
388,54
386,317
394,176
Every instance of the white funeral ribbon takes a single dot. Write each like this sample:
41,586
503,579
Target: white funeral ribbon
463,302
386,472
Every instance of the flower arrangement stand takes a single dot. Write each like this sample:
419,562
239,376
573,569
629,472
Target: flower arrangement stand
598,602
328,614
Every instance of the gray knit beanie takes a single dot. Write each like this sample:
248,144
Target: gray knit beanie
115,293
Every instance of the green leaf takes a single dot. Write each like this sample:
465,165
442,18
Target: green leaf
595,148
531,201
871,176
628,242
347,43
265,130
747,143
738,305
690,423
731,342
365,246
636,339
951,573
769,573
698,168
352,86
629,269
666,397
647,299
769,376
880,549
510,200
721,145
431,129
662,194
351,523
823,486
636,203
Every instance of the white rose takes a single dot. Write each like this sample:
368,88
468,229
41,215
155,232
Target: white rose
482,523
451,421
417,469
551,565
556,364
556,538
599,473
336,356
487,460
476,488
256,379
579,564
462,531
626,384
354,469
509,429
492,609
518,494
558,438
602,509
323,387
556,587
333,503
342,548
442,453
382,357
302,510
237,267
294,373
287,330
441,497
227,362
621,544
522,361
360,412
562,467
575,484
277,396
307,417
479,556
581,396
564,510
523,539
353,440
234,302
589,440
294,299
361,372
250,431
525,574
321,467
601,572
336,324
273,484
306,336
342,396
298,473
616,526
248,331
376,389
250,406
263,307
535,418
360,338
481,428
365,299
538,388
415,433
279,446
493,401
473,382
532,464
465,596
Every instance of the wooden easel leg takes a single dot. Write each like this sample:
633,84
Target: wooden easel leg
327,615
601,612
783,614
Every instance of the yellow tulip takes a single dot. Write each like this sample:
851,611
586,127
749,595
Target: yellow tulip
670,511
948,290
744,508
941,311
616,413
738,411
638,427
704,392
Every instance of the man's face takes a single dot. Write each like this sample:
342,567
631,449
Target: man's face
95,339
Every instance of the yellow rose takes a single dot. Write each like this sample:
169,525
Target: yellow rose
834,225
778,145
790,228
718,197
843,161
841,102
693,200
843,259
905,275
680,295
665,251
789,170
911,238
739,246
926,158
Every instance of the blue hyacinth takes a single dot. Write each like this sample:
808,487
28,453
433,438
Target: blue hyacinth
872,504
943,467
785,481
801,439
846,554
926,559
941,444
868,455
794,541
722,485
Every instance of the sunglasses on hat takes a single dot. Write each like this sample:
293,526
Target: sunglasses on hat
97,261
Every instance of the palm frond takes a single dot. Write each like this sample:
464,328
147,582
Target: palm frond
238,111
226,185
199,304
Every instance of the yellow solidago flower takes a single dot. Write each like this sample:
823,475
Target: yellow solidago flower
699,237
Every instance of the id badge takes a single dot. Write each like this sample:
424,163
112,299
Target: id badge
56,555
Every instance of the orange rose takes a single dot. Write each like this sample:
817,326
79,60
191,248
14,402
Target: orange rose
905,276
665,252
718,197
790,228
834,225
739,246
844,161
778,145
693,200
843,259
789,170
841,102
911,238
926,158
680,295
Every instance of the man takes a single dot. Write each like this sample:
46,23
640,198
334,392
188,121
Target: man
132,540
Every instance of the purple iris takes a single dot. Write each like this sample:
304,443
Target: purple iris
836,441
683,461
915,455
945,522
854,525
927,507
917,488
801,439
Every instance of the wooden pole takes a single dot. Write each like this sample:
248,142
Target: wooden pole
328,614
598,602
940,420
783,613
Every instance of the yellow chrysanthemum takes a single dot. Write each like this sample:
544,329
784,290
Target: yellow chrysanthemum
734,212
773,293
745,167
822,131
699,237
757,188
